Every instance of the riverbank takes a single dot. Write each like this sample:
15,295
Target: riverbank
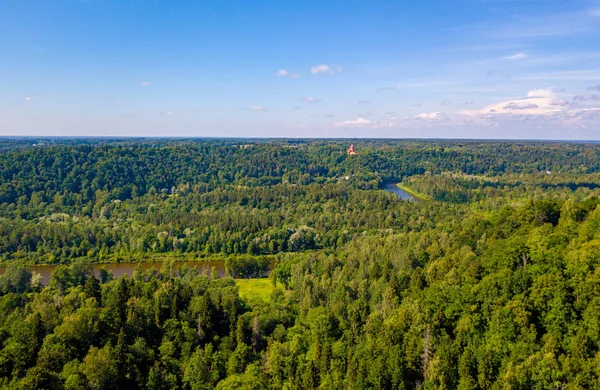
134,258
396,190
240,266
417,195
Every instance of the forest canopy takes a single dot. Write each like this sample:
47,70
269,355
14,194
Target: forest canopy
490,281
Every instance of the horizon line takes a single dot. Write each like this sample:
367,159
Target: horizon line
126,137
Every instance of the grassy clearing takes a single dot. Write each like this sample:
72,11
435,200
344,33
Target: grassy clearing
253,289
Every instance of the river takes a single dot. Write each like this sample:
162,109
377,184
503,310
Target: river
121,269
393,188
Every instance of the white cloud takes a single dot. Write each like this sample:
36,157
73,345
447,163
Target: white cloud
520,106
287,73
352,123
583,113
325,69
311,99
28,98
515,57
145,83
257,108
538,104
430,116
595,12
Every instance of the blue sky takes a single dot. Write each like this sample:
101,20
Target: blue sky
286,68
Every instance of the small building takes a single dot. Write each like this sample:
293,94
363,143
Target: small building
351,150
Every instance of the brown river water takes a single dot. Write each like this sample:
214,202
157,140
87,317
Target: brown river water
121,269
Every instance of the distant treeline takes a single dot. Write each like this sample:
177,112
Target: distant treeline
123,199
126,170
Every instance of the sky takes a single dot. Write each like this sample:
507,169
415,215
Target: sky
513,69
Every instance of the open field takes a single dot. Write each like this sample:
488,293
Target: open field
252,289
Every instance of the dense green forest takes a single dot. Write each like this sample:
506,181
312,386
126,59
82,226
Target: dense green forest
492,281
